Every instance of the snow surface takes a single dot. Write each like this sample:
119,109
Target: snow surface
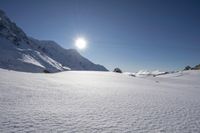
145,73
83,101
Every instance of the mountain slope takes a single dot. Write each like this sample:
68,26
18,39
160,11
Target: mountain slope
22,53
67,57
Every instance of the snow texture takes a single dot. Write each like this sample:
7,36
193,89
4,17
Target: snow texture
93,102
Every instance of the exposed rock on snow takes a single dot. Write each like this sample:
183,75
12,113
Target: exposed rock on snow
117,70
197,67
187,68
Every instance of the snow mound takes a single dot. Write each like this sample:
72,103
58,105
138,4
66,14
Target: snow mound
145,73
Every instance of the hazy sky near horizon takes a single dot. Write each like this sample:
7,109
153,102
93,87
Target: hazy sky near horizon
130,34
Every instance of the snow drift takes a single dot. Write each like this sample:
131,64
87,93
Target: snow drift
70,102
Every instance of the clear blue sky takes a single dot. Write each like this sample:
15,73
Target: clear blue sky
130,34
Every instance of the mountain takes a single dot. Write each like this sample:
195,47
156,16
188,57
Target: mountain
23,53
72,58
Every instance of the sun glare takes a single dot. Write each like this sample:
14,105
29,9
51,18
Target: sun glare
80,43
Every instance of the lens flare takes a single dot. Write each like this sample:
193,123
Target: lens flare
80,43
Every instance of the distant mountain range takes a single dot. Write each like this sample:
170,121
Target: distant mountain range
23,53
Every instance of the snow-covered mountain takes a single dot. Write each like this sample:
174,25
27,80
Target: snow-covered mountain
72,58
22,53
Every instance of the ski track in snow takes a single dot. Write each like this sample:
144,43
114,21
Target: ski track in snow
99,102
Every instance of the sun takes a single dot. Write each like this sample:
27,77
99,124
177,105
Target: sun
81,43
